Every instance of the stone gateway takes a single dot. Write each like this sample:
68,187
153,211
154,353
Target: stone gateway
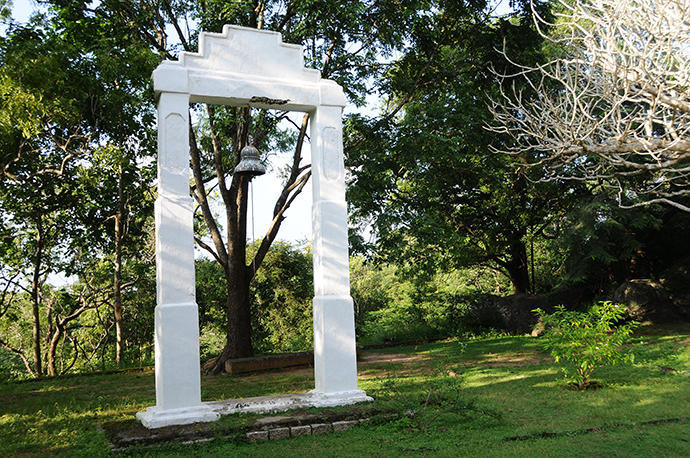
247,67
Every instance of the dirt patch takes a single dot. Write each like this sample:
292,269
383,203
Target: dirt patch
372,364
373,358
663,330
409,364
502,360
289,371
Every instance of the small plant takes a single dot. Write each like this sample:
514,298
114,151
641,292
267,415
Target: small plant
437,404
582,341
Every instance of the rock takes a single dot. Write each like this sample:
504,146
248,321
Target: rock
300,430
321,428
266,422
647,300
278,433
515,313
676,280
343,425
257,436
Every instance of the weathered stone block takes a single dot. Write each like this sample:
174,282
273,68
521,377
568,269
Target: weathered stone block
343,425
257,436
271,422
321,428
300,430
278,433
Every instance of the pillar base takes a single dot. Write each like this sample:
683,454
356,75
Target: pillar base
283,402
342,398
153,417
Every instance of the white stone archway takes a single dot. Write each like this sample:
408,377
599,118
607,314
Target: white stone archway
247,67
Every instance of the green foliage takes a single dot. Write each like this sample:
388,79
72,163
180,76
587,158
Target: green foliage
583,341
211,297
281,300
75,118
439,198
600,243
5,9
391,306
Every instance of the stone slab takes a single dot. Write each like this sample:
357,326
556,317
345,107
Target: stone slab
300,430
284,420
283,402
278,433
257,436
343,425
321,428
154,417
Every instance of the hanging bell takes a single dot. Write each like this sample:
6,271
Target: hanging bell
250,165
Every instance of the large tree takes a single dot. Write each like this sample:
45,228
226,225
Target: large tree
613,105
427,180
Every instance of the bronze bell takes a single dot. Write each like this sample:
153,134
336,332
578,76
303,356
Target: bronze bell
250,164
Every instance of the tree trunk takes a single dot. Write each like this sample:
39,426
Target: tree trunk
117,280
238,339
35,297
238,342
52,349
517,267
239,328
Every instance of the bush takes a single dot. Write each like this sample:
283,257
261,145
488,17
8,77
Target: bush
582,341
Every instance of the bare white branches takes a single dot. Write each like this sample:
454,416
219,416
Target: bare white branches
613,105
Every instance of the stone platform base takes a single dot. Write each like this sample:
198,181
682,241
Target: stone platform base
153,417
283,402
211,411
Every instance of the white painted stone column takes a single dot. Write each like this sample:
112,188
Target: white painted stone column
178,382
335,358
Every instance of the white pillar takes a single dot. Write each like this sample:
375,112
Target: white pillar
335,358
178,382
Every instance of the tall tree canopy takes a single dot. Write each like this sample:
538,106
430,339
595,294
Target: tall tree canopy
427,178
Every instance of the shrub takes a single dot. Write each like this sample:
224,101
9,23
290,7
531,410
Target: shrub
582,341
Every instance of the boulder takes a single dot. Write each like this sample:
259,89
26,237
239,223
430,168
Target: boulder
539,329
647,300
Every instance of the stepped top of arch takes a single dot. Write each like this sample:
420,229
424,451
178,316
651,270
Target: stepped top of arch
248,52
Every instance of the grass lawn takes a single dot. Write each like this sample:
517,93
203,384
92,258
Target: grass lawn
492,396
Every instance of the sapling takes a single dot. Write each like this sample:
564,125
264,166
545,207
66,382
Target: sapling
580,342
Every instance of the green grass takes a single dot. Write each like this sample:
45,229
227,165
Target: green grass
501,387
